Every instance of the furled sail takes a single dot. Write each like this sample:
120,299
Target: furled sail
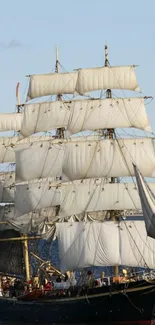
77,197
81,115
83,81
90,157
37,221
104,244
10,121
42,221
147,198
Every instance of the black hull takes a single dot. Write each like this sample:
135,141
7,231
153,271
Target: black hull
130,305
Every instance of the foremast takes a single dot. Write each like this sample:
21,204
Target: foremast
110,133
25,239
60,135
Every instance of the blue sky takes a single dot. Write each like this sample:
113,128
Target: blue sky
31,29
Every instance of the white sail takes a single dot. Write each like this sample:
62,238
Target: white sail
7,194
106,78
147,197
83,81
35,195
7,153
104,244
7,189
77,197
44,116
37,221
108,113
8,144
7,212
97,195
52,84
81,115
44,157
79,158
10,121
7,178
42,221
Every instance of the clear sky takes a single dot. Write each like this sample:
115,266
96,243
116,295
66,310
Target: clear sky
31,29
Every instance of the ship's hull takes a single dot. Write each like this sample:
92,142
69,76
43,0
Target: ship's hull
131,305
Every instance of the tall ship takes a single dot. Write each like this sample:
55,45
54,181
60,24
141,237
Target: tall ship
68,174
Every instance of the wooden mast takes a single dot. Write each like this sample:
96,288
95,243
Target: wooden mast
60,131
26,259
25,239
18,105
111,136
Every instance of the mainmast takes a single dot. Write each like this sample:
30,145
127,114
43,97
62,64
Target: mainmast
60,131
110,136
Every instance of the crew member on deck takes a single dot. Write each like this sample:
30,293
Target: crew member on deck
58,279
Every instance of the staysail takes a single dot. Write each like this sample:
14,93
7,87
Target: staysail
147,198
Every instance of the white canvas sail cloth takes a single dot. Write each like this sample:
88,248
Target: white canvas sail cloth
83,81
7,153
147,198
81,115
7,178
35,195
8,144
10,121
7,194
7,212
40,222
7,189
104,244
77,197
80,158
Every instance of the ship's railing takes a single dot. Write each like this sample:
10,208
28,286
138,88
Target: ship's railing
129,277
149,276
